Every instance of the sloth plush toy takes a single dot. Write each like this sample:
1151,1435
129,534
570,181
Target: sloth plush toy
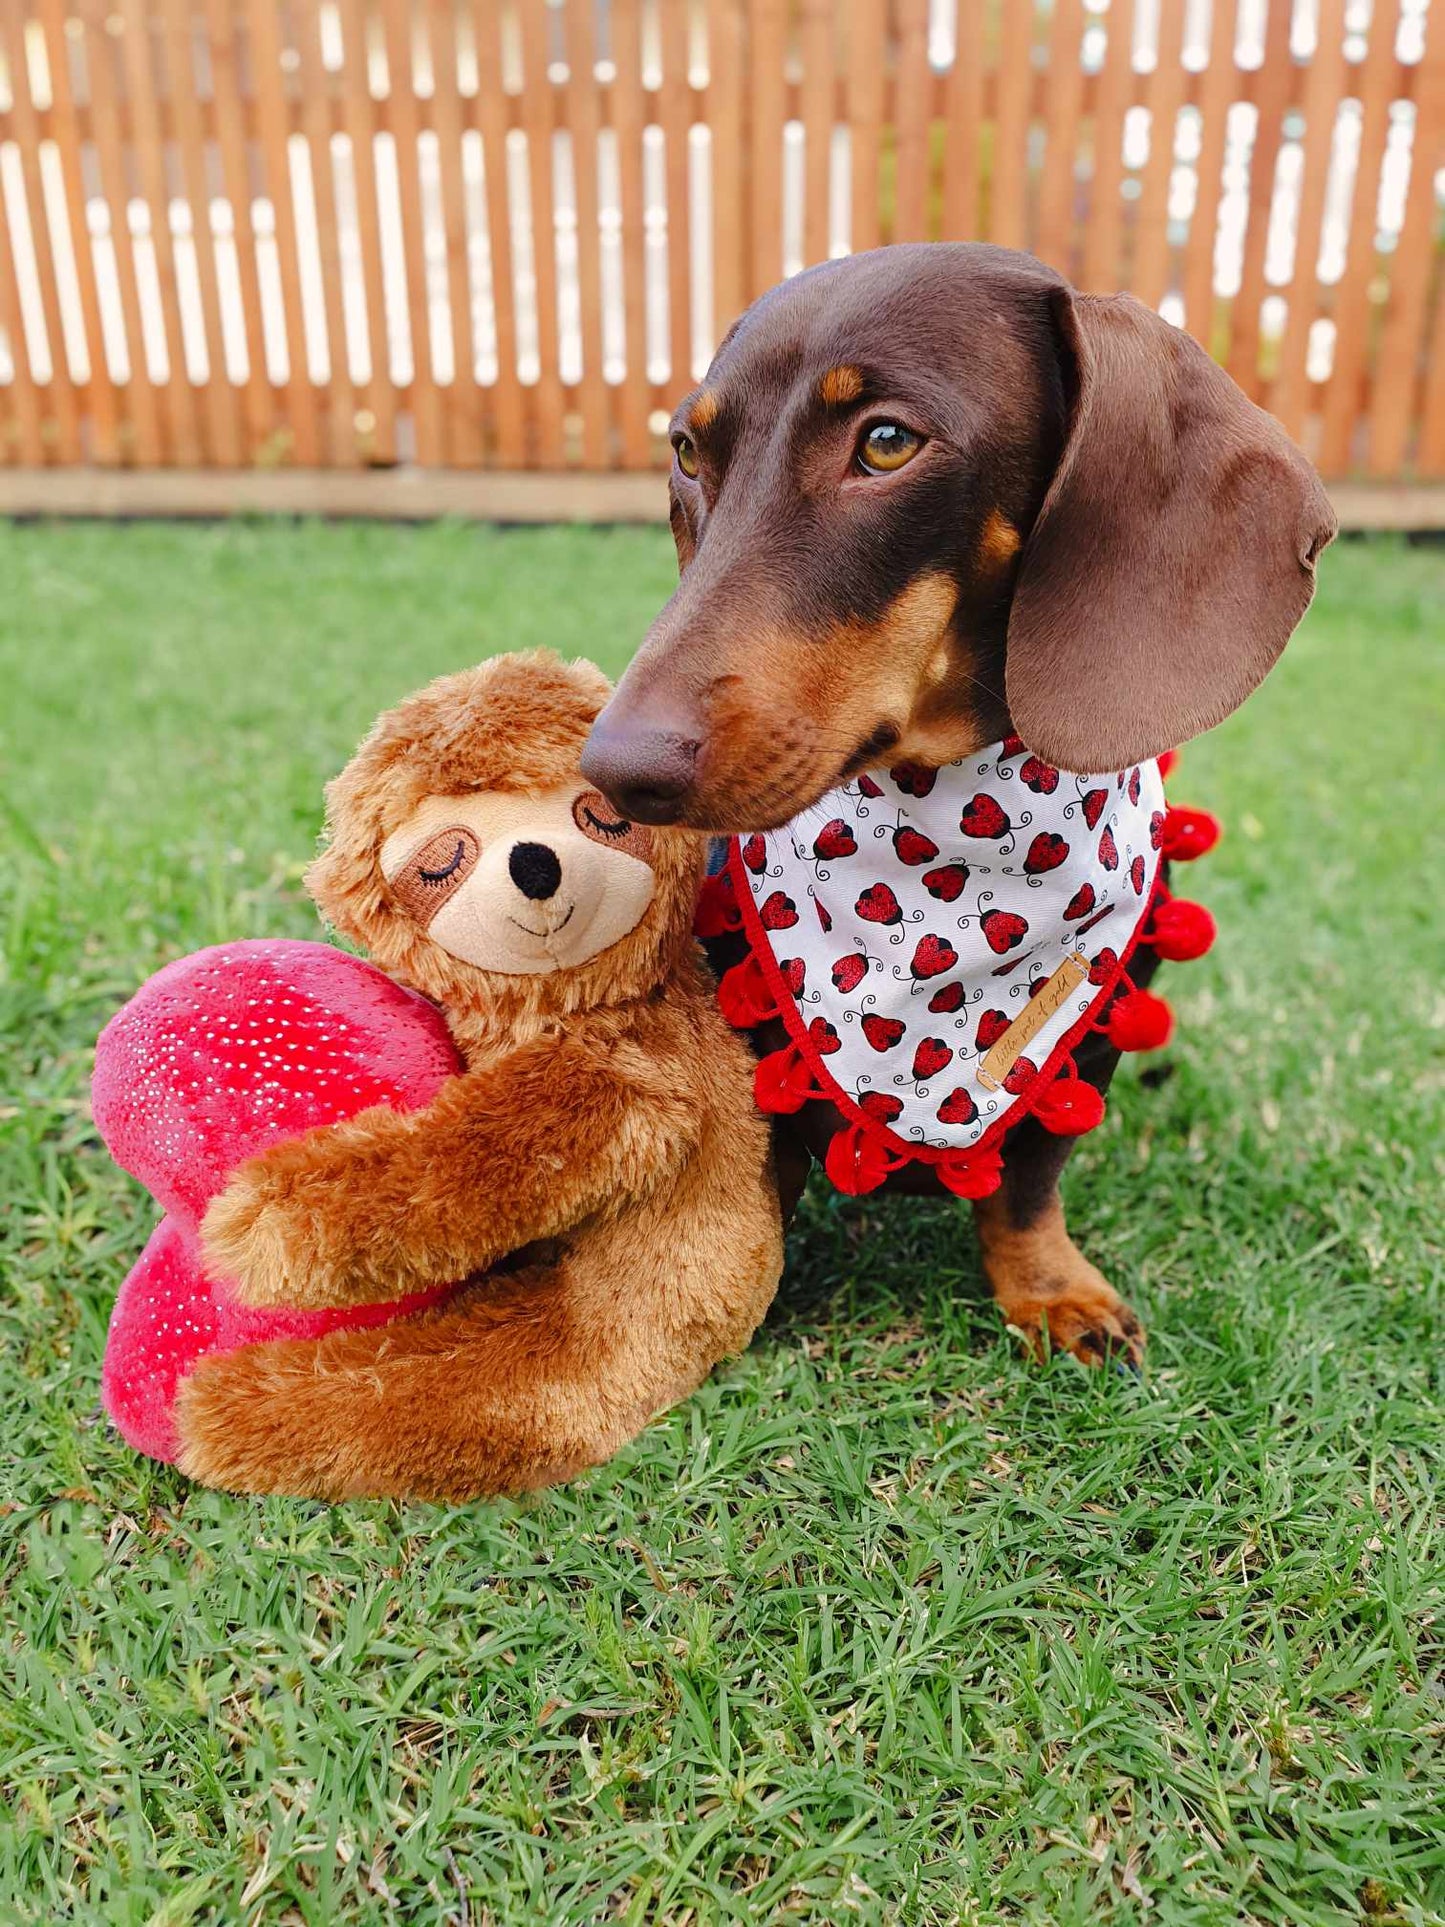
512,1240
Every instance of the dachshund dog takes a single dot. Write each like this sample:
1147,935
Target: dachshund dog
927,498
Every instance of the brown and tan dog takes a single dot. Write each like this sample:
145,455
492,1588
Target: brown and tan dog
925,497
598,1171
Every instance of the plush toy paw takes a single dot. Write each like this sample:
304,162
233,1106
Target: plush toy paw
245,1422
261,1240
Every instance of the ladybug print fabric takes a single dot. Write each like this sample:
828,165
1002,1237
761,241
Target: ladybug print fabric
945,901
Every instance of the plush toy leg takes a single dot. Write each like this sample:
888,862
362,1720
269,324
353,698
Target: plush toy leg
504,1390
169,1313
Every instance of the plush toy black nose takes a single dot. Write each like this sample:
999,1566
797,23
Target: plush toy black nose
535,870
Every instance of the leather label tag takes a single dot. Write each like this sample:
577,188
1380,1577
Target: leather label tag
995,1067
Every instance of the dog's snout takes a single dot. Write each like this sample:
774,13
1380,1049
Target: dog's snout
535,870
646,773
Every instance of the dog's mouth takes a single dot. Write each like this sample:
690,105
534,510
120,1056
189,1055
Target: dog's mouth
734,803
873,748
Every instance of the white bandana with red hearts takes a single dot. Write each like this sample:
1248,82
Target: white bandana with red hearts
903,926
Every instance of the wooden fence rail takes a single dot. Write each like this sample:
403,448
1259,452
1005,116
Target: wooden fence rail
508,233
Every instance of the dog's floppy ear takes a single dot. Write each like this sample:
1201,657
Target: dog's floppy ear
1174,552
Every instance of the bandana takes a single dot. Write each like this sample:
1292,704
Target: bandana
938,941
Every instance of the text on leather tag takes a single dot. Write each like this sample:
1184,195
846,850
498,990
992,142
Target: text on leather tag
995,1067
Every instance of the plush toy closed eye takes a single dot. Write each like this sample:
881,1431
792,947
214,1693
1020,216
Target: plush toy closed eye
510,1242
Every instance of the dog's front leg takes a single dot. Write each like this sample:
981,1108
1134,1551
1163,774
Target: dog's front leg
1042,1281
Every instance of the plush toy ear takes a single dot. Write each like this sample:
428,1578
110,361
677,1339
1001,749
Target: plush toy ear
1174,552
344,878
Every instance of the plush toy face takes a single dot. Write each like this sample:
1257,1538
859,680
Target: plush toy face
521,884
468,855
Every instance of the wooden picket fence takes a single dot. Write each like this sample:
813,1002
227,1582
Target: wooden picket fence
507,233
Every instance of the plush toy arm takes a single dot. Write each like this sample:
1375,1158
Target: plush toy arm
388,1203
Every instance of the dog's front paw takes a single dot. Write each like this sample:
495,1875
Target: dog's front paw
1048,1291
263,1240
1089,1319
1085,1316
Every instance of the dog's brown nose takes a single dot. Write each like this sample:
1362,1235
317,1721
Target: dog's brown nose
643,772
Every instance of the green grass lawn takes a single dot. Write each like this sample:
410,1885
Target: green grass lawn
884,1624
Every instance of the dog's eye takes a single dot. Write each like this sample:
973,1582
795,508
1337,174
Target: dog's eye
686,452
886,446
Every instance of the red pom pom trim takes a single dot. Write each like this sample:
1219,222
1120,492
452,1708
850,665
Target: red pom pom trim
783,1083
1188,834
1069,1107
1181,931
857,1163
971,1174
717,913
743,995
1140,1021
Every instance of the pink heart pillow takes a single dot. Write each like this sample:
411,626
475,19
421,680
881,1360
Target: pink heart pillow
220,1055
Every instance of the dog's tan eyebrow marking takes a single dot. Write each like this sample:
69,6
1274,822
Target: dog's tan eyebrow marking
841,385
999,543
703,412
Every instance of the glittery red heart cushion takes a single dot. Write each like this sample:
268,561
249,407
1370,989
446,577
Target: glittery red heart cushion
220,1055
